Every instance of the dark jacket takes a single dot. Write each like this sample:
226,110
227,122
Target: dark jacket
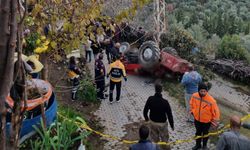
144,145
159,109
114,51
73,67
99,69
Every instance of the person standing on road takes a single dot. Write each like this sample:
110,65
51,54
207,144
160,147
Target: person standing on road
115,51
144,143
190,80
233,140
116,72
205,111
108,44
88,51
100,77
160,111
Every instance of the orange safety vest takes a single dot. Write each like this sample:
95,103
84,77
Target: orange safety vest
204,109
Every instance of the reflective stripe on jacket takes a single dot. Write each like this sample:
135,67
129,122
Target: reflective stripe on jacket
204,109
117,71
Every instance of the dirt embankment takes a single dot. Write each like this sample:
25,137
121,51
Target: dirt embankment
58,77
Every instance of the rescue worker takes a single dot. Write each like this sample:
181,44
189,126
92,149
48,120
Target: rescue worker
116,72
205,111
190,81
100,77
160,112
74,73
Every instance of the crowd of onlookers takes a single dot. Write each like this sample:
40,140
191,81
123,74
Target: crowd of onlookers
201,108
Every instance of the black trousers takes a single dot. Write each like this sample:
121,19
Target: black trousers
118,90
201,129
108,56
100,87
88,56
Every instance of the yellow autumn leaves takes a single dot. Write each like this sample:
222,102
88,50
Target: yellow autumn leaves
44,45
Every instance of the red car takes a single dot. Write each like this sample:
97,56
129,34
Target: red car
150,59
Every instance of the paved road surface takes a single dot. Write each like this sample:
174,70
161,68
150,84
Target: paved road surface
135,92
134,95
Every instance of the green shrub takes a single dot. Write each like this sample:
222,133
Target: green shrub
180,39
199,34
87,90
246,41
59,136
211,45
231,48
30,43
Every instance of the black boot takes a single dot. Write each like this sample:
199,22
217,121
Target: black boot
196,147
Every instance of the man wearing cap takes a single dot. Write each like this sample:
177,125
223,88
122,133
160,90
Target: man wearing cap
233,140
190,81
116,72
205,111
100,77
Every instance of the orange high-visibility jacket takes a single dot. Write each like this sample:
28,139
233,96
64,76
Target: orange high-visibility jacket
204,109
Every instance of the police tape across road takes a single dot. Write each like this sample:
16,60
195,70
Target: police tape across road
85,126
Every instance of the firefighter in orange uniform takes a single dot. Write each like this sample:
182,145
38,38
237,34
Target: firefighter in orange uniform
206,113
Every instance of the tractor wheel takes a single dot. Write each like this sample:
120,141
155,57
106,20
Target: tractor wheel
170,50
125,46
149,55
132,55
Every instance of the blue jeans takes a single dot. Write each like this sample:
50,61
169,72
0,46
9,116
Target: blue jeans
187,103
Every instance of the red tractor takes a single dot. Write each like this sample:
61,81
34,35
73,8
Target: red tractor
150,59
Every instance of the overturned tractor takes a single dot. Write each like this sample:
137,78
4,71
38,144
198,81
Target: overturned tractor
150,59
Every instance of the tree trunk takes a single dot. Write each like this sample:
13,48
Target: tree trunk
45,72
17,112
8,29
19,78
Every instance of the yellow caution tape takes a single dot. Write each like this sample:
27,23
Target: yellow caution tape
85,126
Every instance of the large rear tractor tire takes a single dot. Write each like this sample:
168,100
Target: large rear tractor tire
149,55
